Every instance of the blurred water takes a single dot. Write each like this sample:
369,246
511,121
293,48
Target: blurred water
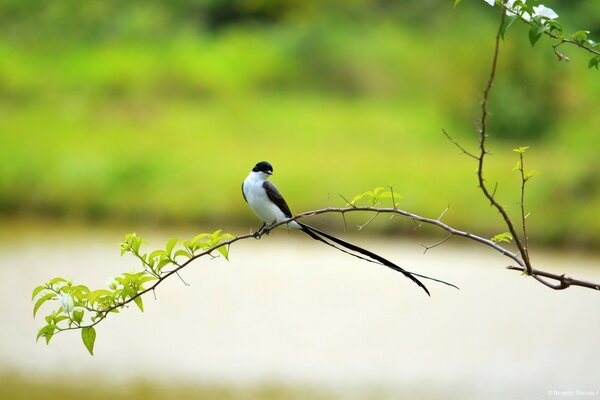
287,309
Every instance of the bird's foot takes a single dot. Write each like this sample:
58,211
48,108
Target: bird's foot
259,232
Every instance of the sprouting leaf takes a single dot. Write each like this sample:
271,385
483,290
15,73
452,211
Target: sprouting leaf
530,174
182,253
224,251
93,296
580,36
456,2
502,237
594,62
47,332
36,291
170,245
88,335
521,149
78,316
41,301
138,302
57,280
146,278
517,166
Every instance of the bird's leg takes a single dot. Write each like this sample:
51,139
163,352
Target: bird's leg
267,229
259,232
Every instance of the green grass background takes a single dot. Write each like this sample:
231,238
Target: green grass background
142,114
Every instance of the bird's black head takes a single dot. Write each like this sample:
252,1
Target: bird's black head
263,166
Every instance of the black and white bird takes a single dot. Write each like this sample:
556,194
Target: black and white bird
270,207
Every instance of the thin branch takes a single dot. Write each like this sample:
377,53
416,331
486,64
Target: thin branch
103,313
444,240
360,227
443,213
459,145
482,150
564,281
524,180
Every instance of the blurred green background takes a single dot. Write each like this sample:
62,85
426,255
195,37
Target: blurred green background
153,112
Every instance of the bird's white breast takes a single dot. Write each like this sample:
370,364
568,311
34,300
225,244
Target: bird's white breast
259,202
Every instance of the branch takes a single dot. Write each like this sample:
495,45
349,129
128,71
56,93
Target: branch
483,151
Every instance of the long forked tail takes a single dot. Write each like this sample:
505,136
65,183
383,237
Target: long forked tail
374,258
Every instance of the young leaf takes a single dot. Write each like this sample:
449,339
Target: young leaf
502,237
170,245
88,335
78,316
47,332
93,296
41,301
138,302
223,250
36,291
521,149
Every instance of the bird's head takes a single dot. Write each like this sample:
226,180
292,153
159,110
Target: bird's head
263,169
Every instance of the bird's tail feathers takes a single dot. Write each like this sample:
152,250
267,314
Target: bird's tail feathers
374,258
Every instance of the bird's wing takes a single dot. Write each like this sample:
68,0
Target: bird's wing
277,198
244,194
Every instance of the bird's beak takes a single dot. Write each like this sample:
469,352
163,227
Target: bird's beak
269,173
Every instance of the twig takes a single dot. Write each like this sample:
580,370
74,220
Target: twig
443,213
524,180
459,145
482,141
360,227
438,243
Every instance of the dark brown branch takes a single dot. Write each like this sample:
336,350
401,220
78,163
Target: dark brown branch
563,281
482,153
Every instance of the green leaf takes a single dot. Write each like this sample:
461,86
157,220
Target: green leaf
145,279
537,29
47,332
36,291
521,149
225,251
78,316
41,301
170,245
93,296
530,174
508,21
181,253
580,36
594,62
502,237
57,280
456,3
139,303
88,335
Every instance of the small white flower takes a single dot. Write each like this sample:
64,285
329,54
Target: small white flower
111,282
66,302
490,2
545,12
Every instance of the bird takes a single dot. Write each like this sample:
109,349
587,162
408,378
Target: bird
270,207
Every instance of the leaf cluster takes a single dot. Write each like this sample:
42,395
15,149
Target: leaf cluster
78,307
374,197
